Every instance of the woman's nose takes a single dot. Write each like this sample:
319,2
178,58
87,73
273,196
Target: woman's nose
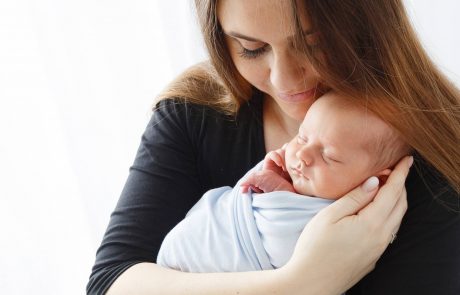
288,73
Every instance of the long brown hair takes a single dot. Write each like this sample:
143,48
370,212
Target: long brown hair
366,49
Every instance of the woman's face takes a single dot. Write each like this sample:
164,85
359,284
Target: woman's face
259,35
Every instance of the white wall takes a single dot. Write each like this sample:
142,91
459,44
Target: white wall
77,79
437,23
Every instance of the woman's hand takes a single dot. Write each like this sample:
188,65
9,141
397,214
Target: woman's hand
344,241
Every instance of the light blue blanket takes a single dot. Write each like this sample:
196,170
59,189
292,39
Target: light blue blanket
230,231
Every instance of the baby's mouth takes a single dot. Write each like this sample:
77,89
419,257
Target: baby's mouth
299,172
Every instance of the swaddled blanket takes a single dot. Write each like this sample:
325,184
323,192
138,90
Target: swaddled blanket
229,231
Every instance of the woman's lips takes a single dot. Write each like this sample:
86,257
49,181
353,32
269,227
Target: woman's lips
299,97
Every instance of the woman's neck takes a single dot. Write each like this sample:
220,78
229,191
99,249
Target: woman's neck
279,128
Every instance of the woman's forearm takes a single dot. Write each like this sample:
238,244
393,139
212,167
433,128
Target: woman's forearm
149,278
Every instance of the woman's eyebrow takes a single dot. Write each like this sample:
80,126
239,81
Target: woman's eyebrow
241,36
244,37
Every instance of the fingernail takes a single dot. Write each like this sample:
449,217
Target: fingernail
411,161
371,184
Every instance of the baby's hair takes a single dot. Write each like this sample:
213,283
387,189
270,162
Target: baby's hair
388,148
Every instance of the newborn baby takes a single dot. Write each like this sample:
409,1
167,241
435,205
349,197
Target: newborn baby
255,225
339,146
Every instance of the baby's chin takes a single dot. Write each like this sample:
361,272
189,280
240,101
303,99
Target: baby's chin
305,187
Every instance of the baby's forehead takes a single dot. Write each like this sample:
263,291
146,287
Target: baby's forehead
345,115
348,121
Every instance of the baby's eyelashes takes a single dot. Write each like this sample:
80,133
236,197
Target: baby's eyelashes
301,139
329,159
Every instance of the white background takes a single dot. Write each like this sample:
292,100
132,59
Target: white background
77,80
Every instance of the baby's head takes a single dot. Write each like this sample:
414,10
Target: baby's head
340,145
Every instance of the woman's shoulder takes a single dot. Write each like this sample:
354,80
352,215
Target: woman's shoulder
194,111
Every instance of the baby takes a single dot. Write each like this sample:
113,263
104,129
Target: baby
339,146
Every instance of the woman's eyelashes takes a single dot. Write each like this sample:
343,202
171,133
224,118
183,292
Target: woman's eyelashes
251,54
254,53
311,41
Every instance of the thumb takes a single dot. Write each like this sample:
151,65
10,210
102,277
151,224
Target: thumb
355,200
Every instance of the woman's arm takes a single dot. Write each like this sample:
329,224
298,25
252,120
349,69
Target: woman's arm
162,185
185,150
327,260
149,278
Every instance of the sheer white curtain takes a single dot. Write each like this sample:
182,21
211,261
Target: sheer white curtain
77,79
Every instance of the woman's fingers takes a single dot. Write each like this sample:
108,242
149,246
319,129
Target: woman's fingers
393,221
390,193
354,201
388,197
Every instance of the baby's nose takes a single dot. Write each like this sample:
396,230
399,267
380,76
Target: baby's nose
304,157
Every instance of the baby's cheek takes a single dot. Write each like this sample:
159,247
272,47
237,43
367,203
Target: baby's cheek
289,155
328,185
343,185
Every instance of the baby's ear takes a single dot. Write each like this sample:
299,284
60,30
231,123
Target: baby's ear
383,176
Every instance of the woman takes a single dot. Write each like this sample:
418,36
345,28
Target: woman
269,61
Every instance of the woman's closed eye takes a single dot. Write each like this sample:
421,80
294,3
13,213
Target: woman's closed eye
251,54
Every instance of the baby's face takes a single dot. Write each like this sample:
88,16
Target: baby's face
328,157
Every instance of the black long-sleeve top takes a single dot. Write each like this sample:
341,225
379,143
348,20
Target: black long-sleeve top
188,149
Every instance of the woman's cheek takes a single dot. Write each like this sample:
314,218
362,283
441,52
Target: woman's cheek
252,71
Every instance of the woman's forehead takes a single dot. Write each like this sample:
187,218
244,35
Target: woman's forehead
263,20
